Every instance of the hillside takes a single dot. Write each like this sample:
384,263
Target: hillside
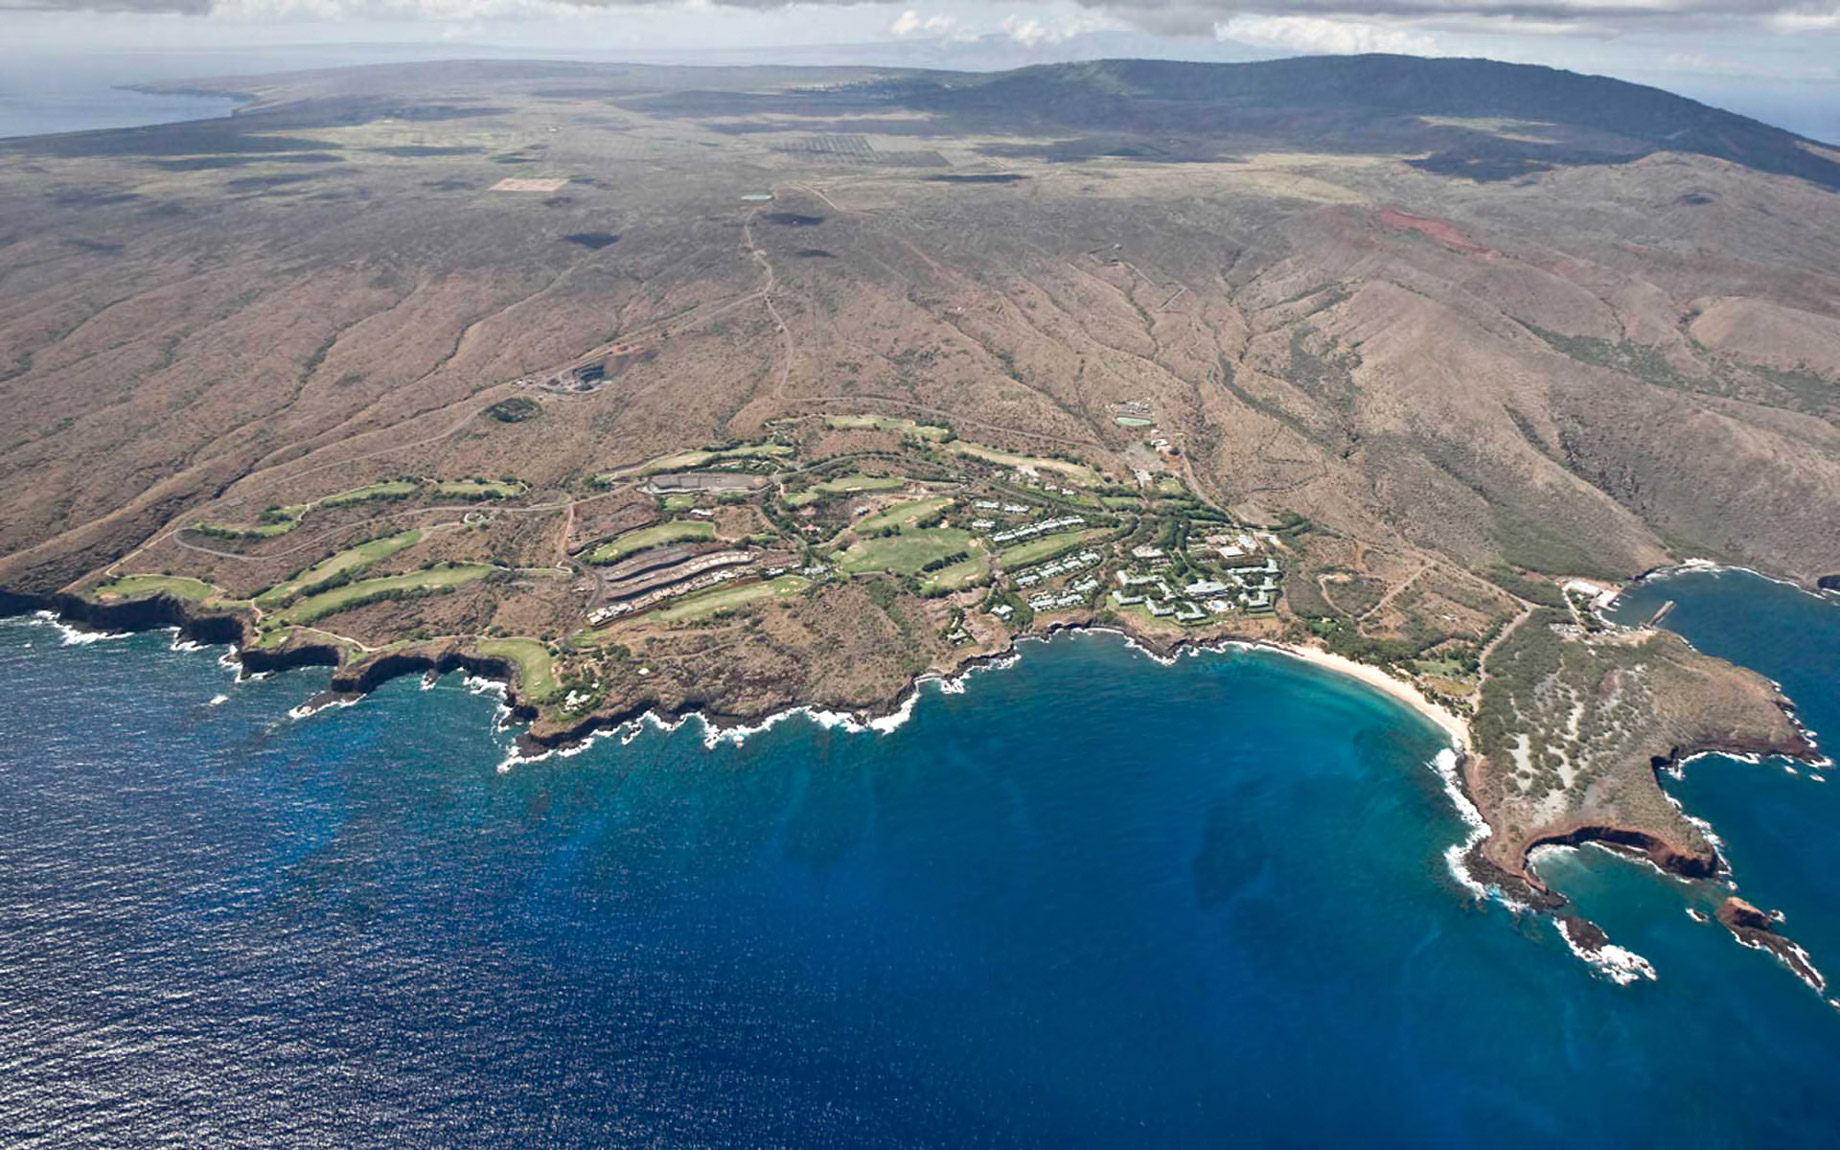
739,388
1363,102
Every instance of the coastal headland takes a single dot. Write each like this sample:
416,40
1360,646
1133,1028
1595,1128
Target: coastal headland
675,391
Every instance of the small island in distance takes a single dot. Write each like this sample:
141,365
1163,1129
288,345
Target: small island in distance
730,391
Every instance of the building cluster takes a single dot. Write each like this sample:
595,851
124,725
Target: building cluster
1005,508
1238,545
1059,567
1246,588
1046,526
687,577
1074,595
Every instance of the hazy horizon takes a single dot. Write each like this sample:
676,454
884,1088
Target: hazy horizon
69,89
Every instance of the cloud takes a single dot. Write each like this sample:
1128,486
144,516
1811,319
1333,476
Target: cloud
1807,20
911,24
1317,35
1030,32
1291,23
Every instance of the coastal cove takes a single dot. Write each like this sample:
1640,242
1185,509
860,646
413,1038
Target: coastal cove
1079,900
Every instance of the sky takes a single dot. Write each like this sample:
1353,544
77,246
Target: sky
1776,59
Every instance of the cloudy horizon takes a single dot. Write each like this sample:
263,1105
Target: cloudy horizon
1778,60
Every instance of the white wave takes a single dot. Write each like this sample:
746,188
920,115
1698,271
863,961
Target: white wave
1705,828
479,685
309,709
515,756
218,701
1619,965
1807,972
430,679
1446,764
75,636
714,735
1678,769
1715,568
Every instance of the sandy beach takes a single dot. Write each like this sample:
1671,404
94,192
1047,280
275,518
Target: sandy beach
1449,721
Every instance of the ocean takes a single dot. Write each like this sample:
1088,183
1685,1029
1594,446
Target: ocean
1089,900
66,93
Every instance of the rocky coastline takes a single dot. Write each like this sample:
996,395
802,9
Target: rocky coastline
1516,884
1756,929
353,679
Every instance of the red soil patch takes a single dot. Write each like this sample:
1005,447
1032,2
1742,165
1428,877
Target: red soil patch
1442,231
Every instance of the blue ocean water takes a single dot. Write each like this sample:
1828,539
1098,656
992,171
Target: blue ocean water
1088,901
60,92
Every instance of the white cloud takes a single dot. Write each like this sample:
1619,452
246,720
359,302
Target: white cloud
1317,35
1794,23
1030,31
453,13
911,23
1701,62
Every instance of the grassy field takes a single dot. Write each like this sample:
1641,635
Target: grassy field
902,514
728,598
905,427
689,460
259,531
904,554
845,485
851,484
352,559
968,573
536,675
480,489
283,520
682,501
140,586
369,590
633,542
1045,547
1077,473
390,489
